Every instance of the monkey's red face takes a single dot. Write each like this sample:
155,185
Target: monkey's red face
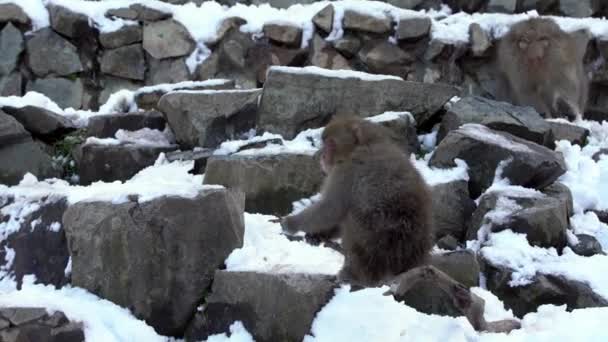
534,50
327,154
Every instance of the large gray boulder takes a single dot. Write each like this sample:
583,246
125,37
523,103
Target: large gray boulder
39,244
452,209
544,218
126,35
147,98
67,22
67,93
296,99
46,43
167,38
9,12
461,265
19,324
11,46
168,70
288,35
354,20
106,126
25,154
11,85
523,122
543,289
272,307
271,183
155,258
110,163
206,118
41,122
126,62
525,163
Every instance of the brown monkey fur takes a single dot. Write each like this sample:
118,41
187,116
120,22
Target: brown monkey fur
542,67
377,197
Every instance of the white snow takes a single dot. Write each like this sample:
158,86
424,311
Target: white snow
306,142
483,133
494,309
35,10
390,116
345,74
265,249
32,98
238,333
434,176
161,179
168,87
103,321
142,137
588,223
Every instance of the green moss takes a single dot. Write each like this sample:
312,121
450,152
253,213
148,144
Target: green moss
63,155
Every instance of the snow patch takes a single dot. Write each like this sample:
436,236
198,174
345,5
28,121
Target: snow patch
344,74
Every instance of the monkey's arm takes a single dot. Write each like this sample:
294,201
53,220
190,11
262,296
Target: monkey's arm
325,214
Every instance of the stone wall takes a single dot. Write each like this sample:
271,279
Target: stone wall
77,66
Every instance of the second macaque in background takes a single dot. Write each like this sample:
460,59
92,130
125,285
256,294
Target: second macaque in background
542,66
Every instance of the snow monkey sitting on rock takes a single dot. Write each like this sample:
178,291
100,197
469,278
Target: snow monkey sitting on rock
377,197
542,67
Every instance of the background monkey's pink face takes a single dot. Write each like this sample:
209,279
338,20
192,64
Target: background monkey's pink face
327,154
534,48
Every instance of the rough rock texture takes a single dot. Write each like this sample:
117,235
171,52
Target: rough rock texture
273,307
67,22
413,28
284,34
587,246
199,156
169,70
294,101
166,39
362,22
324,19
40,246
126,62
271,183
543,218
16,145
403,129
126,35
149,99
208,117
109,163
563,131
106,126
155,258
24,324
452,209
67,93
461,265
9,12
11,46
325,56
543,289
523,122
483,149
45,43
41,122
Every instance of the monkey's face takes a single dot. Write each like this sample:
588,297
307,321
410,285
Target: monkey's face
339,140
534,48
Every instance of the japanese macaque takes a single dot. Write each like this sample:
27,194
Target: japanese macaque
542,67
377,197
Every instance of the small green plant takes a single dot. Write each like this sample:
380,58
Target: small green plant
64,157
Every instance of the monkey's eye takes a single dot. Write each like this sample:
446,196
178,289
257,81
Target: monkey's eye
523,44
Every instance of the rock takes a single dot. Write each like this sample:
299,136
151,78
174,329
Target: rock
110,163
147,98
448,242
126,62
25,155
431,291
11,85
579,8
170,70
348,45
149,14
325,56
562,131
434,49
479,39
45,43
597,156
110,85
39,244
587,246
403,129
543,289
65,92
67,22
263,55
541,6
461,265
207,118
385,58
272,307
502,6
228,24
292,100
414,28
9,12
123,13
199,156
523,122
126,35
452,209
41,122
324,19
284,34
483,149
20,316
72,332
271,183
11,46
368,23
543,218
164,252
168,38
106,126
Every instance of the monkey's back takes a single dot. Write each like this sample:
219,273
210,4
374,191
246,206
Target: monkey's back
390,215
